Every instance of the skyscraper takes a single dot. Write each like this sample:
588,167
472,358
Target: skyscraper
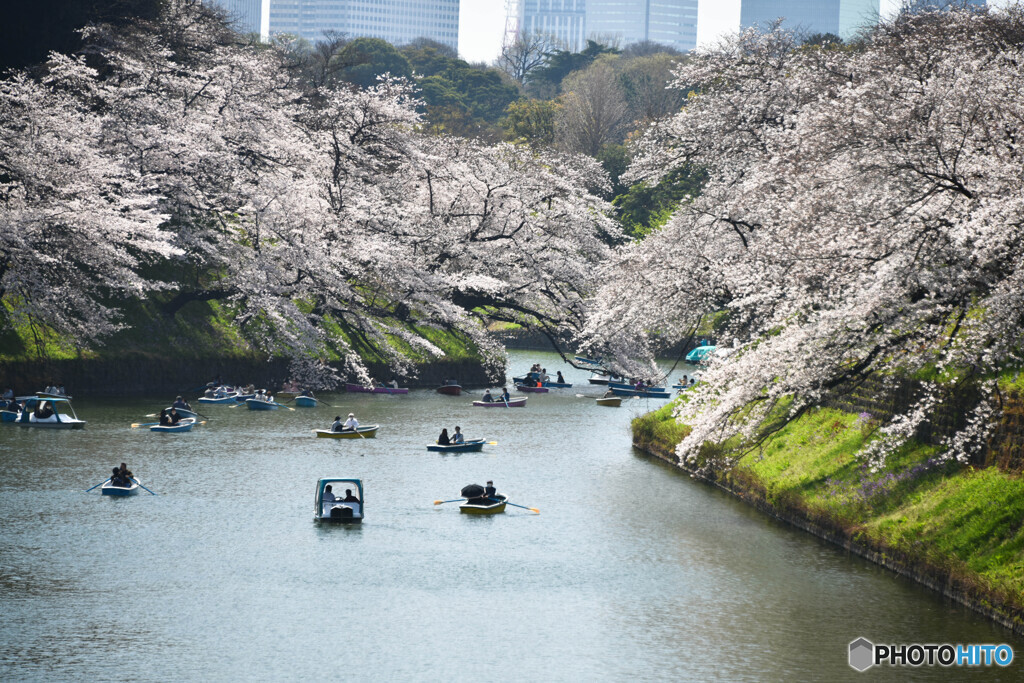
571,22
247,16
841,17
563,20
396,21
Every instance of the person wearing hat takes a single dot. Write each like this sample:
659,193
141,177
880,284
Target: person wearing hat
181,404
489,490
351,424
338,425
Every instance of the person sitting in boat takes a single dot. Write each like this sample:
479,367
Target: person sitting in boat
639,386
349,498
458,437
487,397
351,424
443,440
116,479
608,394
329,496
60,390
489,490
126,474
504,394
8,394
394,383
44,410
165,419
174,416
338,424
544,376
560,379
181,404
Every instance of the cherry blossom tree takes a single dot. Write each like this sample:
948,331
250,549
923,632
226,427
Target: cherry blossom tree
322,216
862,216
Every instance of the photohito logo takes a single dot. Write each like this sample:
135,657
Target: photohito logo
864,654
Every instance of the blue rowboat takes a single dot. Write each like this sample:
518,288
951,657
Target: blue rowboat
588,361
185,425
305,402
109,489
558,385
469,446
642,394
259,404
219,400
623,385
183,412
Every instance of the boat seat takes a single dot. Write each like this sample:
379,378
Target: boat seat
328,509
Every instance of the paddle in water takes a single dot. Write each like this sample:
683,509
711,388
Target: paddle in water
496,500
141,486
453,500
98,485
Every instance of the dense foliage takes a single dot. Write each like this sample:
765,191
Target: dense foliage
862,215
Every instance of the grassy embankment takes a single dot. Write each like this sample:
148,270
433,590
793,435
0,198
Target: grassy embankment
198,330
961,525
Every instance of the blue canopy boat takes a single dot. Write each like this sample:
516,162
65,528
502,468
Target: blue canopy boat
49,413
700,354
305,402
469,446
338,510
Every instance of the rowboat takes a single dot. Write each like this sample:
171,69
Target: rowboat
598,378
359,388
260,404
700,354
484,506
109,489
517,402
588,361
367,432
646,393
624,385
58,418
348,511
219,400
305,402
469,446
185,425
450,389
184,412
558,385
611,401
526,388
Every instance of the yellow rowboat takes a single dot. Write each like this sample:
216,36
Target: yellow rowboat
492,506
612,401
367,432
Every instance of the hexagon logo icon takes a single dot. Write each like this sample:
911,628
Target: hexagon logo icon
862,654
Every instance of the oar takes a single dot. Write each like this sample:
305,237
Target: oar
281,405
491,443
453,500
99,484
143,424
496,500
141,486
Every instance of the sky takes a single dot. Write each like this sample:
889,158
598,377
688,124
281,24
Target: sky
482,24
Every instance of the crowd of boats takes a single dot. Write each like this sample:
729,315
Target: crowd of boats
52,409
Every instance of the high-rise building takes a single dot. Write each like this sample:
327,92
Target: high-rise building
247,16
572,22
669,22
396,21
840,17
564,21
